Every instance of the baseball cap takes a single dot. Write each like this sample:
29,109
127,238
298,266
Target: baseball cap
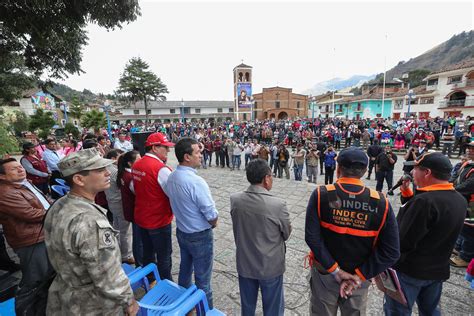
432,160
85,159
350,156
158,139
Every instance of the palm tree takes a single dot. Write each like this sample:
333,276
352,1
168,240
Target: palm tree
94,119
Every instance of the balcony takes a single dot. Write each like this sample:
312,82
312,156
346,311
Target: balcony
455,103
463,84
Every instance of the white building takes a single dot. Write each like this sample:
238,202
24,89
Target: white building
453,89
422,104
168,111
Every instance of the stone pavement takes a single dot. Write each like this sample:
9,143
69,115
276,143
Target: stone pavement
457,299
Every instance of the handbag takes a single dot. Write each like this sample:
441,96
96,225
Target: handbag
33,300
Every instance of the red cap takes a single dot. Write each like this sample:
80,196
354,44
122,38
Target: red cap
158,139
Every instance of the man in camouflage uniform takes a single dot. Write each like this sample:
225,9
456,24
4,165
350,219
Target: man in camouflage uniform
83,247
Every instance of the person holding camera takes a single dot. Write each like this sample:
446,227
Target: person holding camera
411,155
283,158
384,164
312,164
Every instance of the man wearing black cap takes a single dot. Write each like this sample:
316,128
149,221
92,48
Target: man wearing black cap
352,233
429,224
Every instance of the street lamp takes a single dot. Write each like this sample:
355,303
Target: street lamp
106,108
410,95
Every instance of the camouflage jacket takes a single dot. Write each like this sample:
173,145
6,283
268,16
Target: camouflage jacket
83,249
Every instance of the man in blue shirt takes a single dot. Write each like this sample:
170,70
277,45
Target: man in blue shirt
52,157
196,216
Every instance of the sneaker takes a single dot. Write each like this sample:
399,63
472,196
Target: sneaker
368,178
457,262
390,192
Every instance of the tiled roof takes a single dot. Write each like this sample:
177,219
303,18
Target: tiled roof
177,104
242,65
463,64
420,90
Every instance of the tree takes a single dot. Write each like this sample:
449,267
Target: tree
49,35
139,83
19,122
94,119
415,77
43,122
69,128
76,108
8,143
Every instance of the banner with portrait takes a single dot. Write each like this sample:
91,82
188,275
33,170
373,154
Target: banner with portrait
244,95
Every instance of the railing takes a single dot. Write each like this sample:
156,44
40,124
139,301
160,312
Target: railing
470,83
455,103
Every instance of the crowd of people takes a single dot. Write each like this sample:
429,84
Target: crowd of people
121,205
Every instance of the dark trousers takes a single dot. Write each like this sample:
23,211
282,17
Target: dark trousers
35,267
384,175
371,166
465,243
224,158
217,158
137,245
197,253
272,295
157,248
321,164
329,176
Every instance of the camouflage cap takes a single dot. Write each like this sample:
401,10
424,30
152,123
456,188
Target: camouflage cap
85,159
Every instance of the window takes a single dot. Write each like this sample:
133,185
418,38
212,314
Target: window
428,100
187,110
148,111
136,112
255,105
172,111
219,110
297,104
197,111
398,105
254,115
231,110
359,106
245,116
277,104
454,79
433,82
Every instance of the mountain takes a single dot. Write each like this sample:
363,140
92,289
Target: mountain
458,48
338,84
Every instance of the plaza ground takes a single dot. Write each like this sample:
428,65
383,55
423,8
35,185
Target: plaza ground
456,299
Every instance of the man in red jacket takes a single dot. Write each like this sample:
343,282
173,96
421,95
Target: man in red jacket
152,207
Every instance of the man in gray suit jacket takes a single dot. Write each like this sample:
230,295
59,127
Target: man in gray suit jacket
261,225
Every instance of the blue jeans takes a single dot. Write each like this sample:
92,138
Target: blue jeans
426,293
157,248
298,172
197,252
137,245
236,161
248,157
273,300
465,243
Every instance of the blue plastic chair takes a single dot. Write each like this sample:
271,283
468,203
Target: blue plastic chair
164,297
129,270
59,189
61,182
197,300
7,308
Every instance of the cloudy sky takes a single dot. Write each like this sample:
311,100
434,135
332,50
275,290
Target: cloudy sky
193,46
